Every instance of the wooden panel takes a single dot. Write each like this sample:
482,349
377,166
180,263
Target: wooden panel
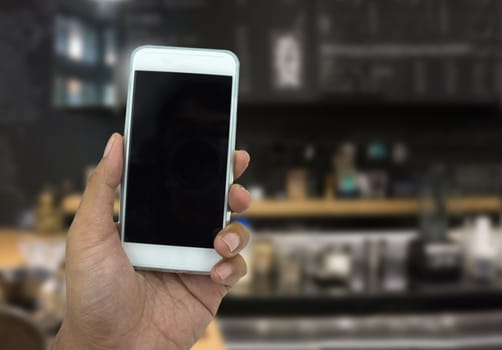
211,340
339,208
10,240
363,207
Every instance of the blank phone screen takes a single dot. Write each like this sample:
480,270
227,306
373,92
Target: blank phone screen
178,149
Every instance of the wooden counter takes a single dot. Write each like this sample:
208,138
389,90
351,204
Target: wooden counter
12,257
211,340
363,207
10,241
269,208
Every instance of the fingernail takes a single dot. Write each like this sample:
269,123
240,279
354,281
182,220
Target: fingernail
224,270
231,240
244,189
109,145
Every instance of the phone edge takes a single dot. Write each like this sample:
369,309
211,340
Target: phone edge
230,151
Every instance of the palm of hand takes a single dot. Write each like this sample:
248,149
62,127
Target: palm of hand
189,308
157,310
112,306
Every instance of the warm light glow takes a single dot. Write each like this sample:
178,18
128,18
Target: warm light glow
74,86
74,91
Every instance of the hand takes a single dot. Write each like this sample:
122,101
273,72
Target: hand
112,306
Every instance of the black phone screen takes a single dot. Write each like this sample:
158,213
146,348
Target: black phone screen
178,149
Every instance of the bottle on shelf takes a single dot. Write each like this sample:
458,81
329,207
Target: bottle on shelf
296,173
374,250
375,175
394,276
433,257
401,181
482,254
291,271
264,266
333,267
48,215
346,183
314,180
296,184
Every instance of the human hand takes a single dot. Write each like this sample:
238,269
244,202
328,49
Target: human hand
112,306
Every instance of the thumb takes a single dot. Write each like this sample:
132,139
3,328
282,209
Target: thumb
96,207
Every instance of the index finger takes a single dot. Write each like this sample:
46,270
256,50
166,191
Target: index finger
241,162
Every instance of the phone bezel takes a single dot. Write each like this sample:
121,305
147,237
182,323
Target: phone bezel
182,60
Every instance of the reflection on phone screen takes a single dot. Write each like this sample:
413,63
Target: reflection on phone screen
178,149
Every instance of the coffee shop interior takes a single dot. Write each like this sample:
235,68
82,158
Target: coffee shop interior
375,132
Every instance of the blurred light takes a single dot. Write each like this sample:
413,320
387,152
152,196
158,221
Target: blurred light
288,61
74,86
74,89
110,58
109,96
110,49
75,44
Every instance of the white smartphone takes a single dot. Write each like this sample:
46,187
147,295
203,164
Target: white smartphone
179,147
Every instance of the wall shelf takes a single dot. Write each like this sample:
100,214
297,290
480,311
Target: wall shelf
314,208
446,299
318,208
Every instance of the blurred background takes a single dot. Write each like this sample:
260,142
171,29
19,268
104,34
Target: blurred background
375,134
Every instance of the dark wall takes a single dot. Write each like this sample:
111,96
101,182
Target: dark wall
460,137
62,144
41,146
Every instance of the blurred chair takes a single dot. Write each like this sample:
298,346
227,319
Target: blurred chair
18,331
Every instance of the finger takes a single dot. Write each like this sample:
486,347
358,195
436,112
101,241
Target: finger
239,198
241,162
96,207
229,271
231,240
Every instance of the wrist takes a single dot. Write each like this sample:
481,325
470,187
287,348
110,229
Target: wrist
68,339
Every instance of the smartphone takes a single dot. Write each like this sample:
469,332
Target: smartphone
179,150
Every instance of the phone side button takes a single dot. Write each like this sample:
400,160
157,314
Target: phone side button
229,216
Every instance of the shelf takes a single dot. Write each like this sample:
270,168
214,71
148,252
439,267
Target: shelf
446,299
316,208
362,207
